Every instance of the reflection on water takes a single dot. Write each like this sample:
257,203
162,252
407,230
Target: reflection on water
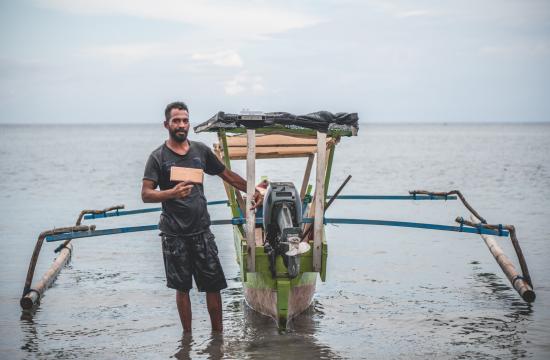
519,310
354,312
262,339
30,340
248,334
501,331
185,347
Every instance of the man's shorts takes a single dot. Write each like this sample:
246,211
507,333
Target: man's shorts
192,256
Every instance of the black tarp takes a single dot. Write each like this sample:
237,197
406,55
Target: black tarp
321,120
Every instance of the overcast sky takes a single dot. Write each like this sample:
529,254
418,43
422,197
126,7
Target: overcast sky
101,61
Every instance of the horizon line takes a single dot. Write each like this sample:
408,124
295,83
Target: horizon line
443,123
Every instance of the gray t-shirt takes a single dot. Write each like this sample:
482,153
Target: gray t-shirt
189,215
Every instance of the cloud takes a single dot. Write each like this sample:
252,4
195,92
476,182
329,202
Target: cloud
226,58
524,49
127,54
244,82
414,13
244,18
402,10
124,54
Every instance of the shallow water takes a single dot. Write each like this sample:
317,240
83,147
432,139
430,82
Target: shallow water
390,292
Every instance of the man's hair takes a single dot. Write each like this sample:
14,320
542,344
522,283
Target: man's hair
180,105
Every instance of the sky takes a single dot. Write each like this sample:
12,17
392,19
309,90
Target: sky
122,61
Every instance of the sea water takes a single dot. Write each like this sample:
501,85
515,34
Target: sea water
390,292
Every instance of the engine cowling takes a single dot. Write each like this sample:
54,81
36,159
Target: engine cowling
282,222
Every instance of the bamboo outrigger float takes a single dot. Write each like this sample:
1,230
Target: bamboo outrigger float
281,248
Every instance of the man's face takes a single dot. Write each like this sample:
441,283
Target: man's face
178,125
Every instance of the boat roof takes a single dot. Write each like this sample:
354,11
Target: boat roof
273,146
338,124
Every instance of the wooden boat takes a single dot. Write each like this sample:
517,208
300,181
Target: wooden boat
275,291
278,274
280,297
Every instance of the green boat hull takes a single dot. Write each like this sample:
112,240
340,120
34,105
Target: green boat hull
281,297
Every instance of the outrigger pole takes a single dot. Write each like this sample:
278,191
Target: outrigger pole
32,296
522,284
85,233
102,214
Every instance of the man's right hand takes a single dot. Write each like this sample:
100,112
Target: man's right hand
181,190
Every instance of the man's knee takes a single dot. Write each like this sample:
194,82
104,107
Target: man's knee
182,294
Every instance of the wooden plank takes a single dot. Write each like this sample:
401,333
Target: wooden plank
250,189
274,146
272,140
307,174
520,285
237,153
178,173
307,228
319,201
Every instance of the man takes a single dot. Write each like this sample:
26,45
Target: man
188,246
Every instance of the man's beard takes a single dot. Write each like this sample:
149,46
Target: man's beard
177,135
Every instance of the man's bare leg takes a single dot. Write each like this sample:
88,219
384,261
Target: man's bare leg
184,309
214,304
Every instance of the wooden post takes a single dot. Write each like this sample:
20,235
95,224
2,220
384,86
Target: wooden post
319,200
250,189
306,176
307,230
232,194
328,170
521,286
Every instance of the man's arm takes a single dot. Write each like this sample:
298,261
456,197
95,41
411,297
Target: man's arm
239,183
149,194
233,179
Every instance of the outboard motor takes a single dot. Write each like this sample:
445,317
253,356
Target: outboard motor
282,214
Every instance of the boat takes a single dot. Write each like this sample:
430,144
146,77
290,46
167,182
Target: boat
281,246
276,283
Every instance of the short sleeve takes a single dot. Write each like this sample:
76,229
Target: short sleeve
152,169
213,165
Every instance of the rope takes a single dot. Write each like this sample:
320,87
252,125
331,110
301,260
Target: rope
61,247
518,277
461,224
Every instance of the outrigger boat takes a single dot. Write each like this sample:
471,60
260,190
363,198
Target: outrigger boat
282,246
